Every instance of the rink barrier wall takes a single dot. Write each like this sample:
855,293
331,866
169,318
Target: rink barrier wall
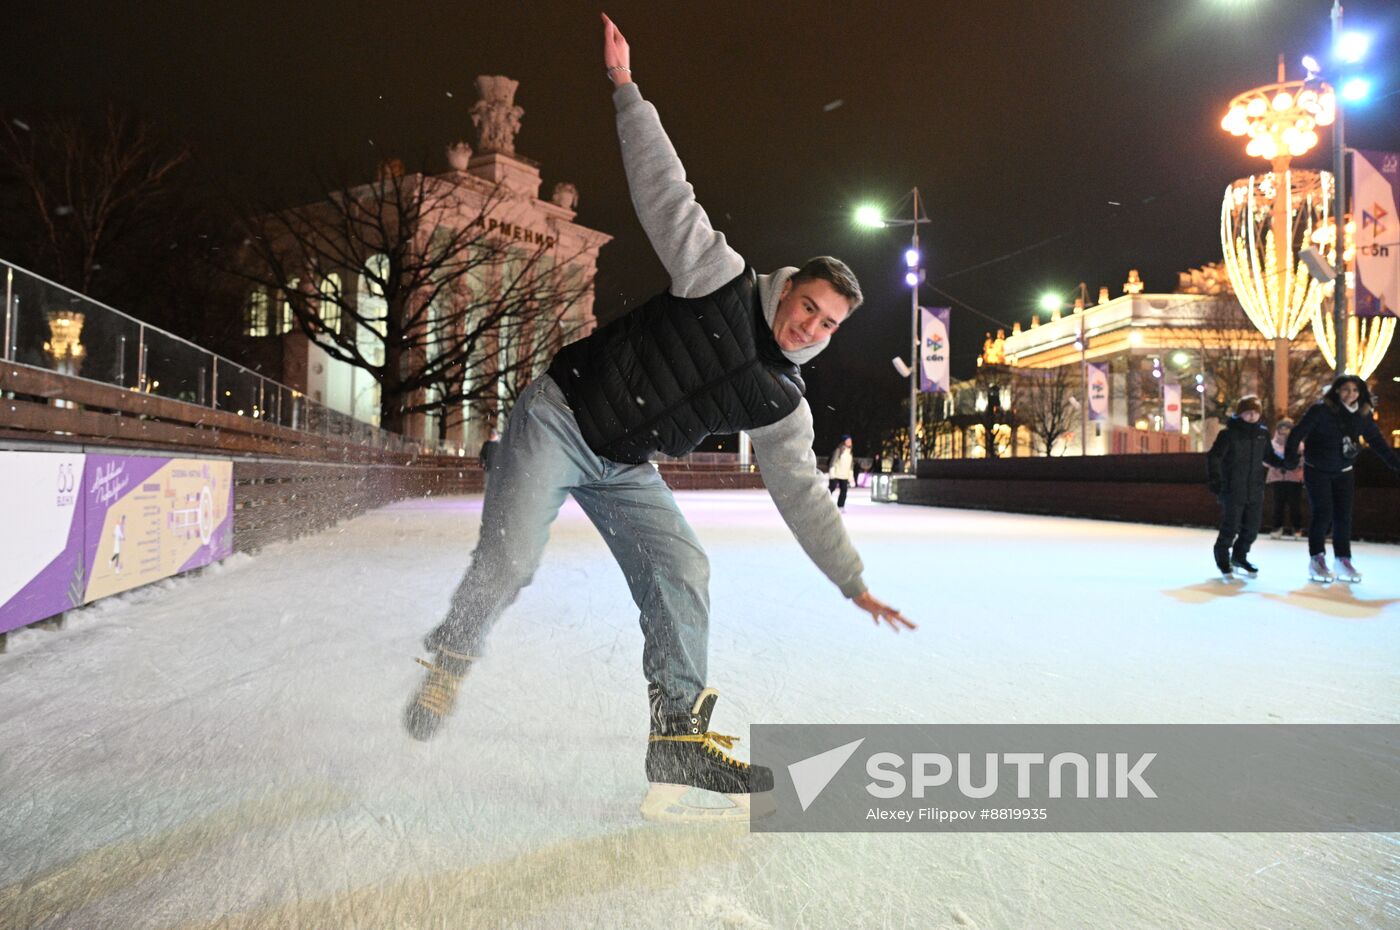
1167,489
276,499
255,502
83,525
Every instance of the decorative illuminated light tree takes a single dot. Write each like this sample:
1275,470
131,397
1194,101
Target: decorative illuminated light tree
1367,338
1266,220
65,344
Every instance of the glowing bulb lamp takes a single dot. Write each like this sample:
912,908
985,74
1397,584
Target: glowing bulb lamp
1367,339
1267,219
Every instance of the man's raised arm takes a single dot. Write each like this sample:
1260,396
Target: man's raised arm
697,257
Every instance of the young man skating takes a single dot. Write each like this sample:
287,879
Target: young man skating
717,353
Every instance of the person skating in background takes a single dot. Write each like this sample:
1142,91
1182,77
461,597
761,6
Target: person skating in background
718,352
1329,436
489,448
840,470
1235,475
1286,486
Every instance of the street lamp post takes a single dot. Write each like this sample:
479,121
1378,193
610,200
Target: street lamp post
1053,303
914,276
1339,212
1082,311
1351,344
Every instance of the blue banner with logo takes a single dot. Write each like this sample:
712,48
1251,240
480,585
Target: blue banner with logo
1376,179
933,349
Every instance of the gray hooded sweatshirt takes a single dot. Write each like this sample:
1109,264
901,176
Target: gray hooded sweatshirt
699,261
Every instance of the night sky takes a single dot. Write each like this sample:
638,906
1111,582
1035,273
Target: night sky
1053,142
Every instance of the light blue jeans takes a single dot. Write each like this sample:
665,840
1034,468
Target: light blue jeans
542,458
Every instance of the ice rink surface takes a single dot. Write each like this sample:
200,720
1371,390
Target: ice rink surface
224,751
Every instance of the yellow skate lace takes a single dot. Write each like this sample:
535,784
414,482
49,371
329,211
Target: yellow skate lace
439,692
715,744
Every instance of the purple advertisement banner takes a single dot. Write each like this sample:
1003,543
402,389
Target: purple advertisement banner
80,527
150,518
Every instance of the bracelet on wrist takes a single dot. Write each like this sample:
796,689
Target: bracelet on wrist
617,68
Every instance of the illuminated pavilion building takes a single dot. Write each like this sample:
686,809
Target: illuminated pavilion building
1197,337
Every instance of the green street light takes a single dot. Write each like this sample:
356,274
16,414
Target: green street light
1179,359
1049,302
870,216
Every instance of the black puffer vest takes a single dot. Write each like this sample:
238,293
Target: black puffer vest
677,370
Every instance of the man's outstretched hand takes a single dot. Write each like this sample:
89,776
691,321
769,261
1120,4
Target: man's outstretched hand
879,610
617,57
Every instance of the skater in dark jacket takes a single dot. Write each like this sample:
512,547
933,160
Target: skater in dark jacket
1333,429
488,450
1235,472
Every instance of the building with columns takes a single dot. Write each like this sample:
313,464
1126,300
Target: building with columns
1196,340
488,199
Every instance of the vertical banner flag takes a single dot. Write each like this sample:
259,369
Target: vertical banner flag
933,349
1376,178
1098,392
1171,407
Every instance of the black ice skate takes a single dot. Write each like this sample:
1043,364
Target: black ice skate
683,754
434,700
1244,567
1222,562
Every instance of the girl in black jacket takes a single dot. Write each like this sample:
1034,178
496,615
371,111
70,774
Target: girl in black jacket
1235,472
1333,428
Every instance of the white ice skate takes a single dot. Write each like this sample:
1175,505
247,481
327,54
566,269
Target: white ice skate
667,803
1317,570
1343,570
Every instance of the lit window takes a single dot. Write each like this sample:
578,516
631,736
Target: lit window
255,314
371,306
285,316
330,302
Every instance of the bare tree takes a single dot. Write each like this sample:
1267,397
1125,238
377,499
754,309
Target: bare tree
1231,352
1044,403
412,280
88,187
1308,375
1237,360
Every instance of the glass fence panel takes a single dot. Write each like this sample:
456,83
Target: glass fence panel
55,329
238,389
283,407
176,369
52,327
